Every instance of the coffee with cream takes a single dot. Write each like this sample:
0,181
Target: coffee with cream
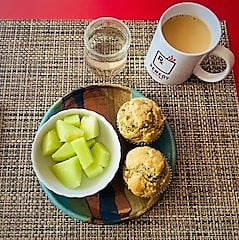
187,33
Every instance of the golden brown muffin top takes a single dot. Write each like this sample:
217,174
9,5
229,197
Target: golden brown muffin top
146,171
140,120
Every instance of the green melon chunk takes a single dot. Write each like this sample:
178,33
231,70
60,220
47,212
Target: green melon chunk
69,172
67,132
83,152
64,152
90,126
73,120
50,142
101,154
93,170
91,142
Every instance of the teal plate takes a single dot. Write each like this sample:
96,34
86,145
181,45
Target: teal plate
114,203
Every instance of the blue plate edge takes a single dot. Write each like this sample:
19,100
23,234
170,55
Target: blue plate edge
61,207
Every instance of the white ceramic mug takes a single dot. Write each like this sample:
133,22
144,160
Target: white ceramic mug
168,65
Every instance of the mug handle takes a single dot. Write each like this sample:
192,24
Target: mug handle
225,54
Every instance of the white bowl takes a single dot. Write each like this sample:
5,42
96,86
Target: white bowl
41,164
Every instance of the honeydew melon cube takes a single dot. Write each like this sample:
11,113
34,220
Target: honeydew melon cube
64,152
67,132
101,154
93,170
68,172
83,152
73,120
90,126
50,142
91,142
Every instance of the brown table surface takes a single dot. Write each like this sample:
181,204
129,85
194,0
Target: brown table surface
40,61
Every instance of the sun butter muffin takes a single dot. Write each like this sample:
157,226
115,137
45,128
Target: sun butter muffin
146,172
140,120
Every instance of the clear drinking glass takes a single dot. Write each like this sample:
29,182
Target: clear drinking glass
106,44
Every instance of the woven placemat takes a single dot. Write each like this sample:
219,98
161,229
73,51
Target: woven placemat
40,61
